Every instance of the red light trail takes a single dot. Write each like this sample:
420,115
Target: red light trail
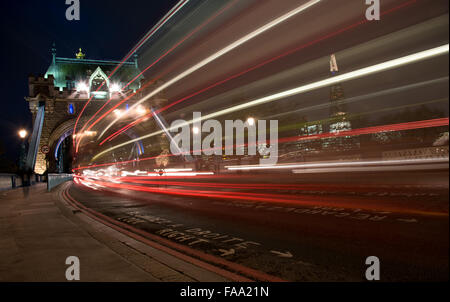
261,64
295,200
362,131
148,67
135,48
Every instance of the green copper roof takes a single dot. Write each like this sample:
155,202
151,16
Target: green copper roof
68,71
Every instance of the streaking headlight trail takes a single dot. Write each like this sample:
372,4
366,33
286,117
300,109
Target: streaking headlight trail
220,53
391,64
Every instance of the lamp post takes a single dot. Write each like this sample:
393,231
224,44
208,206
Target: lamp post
23,154
23,149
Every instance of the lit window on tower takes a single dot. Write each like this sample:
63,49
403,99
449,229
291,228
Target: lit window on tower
70,108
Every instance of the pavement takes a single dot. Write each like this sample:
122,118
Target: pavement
39,230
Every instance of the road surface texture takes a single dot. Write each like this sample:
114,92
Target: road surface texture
324,233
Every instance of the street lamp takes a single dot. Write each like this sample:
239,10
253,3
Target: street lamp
23,149
82,87
118,112
115,87
250,121
140,110
23,133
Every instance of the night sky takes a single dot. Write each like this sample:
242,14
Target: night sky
108,29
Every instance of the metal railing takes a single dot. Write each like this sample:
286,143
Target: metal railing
55,179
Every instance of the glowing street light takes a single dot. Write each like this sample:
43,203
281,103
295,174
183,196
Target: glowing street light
115,87
23,149
140,110
250,121
23,133
118,112
82,87
195,130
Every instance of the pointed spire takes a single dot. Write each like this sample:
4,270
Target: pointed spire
333,64
53,53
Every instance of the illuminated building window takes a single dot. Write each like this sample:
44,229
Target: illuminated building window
70,108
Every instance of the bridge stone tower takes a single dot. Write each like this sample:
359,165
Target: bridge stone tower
57,98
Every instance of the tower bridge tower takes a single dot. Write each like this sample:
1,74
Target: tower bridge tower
57,97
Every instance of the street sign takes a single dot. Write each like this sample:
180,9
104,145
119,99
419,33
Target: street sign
45,149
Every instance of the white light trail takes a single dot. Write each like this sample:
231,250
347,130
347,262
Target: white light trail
165,130
373,169
220,53
341,164
158,25
175,170
308,87
133,173
169,174
147,36
165,172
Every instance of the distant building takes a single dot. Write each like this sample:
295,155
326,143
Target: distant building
338,121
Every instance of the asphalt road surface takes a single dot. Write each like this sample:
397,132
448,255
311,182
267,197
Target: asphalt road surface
323,229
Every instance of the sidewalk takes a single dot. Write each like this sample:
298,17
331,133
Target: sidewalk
38,232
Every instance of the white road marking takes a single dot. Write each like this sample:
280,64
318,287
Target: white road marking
226,252
286,254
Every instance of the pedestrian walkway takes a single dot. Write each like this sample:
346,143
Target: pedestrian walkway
37,235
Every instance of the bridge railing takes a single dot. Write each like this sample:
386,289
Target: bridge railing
55,179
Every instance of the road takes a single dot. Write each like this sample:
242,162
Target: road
323,229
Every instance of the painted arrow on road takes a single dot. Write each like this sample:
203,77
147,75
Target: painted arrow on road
286,254
226,252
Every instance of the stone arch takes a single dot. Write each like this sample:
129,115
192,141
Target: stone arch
58,134
63,128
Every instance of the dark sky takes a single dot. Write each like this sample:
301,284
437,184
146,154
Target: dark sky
107,29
